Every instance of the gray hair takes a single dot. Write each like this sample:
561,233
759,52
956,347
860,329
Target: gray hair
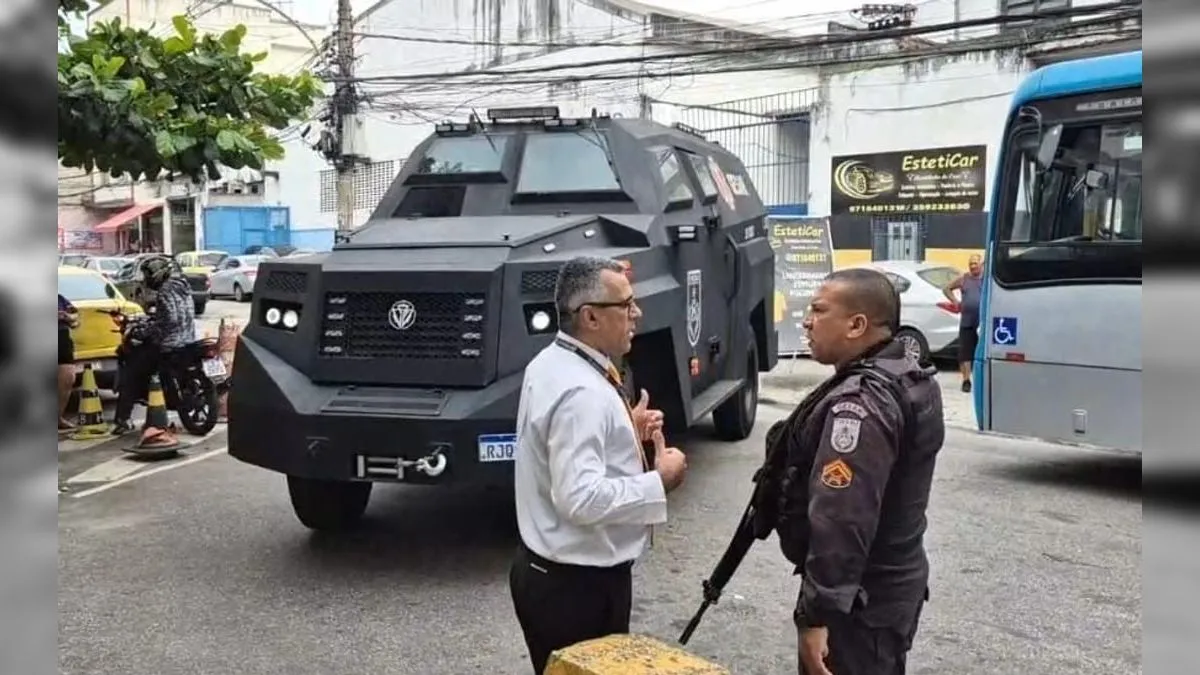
579,282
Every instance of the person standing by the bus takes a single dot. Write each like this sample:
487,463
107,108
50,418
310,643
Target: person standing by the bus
969,287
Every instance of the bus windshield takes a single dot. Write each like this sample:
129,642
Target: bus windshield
1080,218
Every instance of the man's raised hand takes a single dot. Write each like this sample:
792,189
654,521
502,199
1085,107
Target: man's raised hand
670,463
645,420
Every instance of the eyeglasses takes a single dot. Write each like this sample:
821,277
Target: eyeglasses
627,304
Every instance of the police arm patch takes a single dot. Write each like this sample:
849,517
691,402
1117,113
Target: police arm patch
844,433
848,407
837,475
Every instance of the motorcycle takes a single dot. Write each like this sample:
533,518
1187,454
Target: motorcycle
191,377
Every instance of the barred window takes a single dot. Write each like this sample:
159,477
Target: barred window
371,182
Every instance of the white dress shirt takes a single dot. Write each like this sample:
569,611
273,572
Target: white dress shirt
582,494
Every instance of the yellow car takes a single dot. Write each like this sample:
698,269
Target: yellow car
96,339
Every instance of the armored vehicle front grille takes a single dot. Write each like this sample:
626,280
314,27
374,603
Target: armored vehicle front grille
391,325
286,282
538,282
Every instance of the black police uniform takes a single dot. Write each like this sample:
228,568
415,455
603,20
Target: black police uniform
865,575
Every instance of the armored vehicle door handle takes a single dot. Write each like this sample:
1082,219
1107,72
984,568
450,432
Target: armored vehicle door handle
731,253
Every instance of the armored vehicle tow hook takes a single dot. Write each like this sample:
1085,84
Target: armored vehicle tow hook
431,465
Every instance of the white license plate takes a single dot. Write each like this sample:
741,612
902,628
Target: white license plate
98,366
214,367
497,447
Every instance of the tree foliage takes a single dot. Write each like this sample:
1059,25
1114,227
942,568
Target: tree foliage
131,103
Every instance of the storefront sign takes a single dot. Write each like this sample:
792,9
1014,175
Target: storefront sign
803,256
912,182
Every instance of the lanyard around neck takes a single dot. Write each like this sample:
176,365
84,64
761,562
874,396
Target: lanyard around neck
609,374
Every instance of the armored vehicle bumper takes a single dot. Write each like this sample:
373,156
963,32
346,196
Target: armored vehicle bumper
281,420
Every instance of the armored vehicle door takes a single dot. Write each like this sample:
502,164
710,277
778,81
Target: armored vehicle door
707,262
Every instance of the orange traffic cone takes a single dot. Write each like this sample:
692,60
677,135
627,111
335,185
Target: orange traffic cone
158,439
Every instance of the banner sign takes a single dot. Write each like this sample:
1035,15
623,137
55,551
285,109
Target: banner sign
803,256
937,180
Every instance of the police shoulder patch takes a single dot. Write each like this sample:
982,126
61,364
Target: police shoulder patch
844,432
837,475
848,407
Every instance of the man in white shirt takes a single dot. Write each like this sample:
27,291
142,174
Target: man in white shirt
586,496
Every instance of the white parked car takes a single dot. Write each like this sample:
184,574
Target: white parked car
928,322
235,276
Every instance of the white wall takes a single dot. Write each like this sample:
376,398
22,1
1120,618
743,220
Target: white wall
400,115
945,101
300,184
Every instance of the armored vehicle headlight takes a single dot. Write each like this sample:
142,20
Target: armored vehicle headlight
539,321
291,319
273,316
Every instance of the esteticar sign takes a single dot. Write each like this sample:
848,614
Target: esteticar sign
936,180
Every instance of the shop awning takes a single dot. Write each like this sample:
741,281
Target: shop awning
125,216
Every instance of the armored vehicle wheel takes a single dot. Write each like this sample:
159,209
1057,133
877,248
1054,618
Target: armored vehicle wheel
735,417
328,505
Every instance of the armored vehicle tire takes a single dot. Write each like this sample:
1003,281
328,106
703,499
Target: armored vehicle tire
915,344
328,505
734,419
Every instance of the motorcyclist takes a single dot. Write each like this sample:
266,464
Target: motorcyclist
169,325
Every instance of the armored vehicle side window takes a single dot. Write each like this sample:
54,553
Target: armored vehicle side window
566,162
700,167
675,181
464,154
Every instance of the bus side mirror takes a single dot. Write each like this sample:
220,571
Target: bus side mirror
1048,147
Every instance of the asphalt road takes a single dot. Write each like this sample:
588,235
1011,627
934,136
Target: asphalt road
198,566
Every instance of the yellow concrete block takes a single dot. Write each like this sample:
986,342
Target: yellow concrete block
628,655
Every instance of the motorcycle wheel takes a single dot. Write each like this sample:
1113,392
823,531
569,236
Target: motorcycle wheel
198,405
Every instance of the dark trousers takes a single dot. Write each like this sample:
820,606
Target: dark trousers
560,605
858,649
137,365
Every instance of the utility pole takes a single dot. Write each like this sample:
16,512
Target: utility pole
345,117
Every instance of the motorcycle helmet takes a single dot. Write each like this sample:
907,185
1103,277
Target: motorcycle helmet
156,271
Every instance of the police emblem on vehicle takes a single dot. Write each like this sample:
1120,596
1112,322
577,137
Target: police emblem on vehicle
694,307
402,315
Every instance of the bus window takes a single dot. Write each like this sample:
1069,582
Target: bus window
1079,219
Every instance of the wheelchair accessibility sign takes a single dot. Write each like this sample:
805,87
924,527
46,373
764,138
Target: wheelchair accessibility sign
1004,330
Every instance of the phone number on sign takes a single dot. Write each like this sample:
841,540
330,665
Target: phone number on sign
910,208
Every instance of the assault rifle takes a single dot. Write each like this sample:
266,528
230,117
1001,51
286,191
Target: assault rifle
762,513
759,518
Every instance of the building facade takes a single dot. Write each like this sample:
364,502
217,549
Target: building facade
100,214
820,112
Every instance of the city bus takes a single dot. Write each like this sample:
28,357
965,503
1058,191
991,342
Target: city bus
1060,348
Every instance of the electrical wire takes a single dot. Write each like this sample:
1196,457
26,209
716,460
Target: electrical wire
822,41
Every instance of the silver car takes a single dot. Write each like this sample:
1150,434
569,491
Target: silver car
235,276
929,322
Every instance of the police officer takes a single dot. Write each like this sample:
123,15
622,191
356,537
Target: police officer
865,572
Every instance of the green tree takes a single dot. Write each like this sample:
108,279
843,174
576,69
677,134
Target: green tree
132,103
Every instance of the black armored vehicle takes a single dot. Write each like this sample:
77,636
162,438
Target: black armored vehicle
398,356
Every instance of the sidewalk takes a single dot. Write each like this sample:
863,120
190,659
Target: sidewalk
792,379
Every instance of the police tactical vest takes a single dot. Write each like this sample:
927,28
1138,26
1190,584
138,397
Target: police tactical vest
791,446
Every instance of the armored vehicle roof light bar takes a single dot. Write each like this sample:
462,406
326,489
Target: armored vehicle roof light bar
689,130
545,112
568,123
445,128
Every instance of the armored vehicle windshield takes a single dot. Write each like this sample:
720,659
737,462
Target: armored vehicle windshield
534,164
